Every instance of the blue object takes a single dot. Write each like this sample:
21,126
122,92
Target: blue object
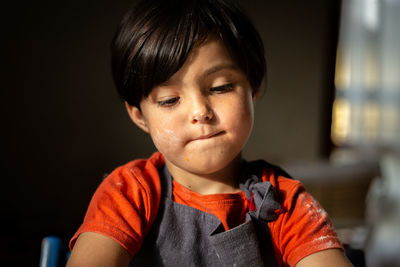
50,252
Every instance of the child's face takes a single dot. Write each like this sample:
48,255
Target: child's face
201,118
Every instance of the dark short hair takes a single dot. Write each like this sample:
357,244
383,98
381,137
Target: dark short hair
155,37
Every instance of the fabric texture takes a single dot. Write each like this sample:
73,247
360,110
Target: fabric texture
185,236
126,204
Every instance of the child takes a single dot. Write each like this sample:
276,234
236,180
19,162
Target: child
189,72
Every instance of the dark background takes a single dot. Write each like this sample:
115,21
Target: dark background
64,127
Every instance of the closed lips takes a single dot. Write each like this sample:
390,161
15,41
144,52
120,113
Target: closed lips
209,135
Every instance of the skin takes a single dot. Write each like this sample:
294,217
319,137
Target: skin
199,119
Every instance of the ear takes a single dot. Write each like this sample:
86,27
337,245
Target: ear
137,117
255,95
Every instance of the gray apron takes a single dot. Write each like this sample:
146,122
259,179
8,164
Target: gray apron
184,236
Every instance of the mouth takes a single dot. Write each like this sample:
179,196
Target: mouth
208,136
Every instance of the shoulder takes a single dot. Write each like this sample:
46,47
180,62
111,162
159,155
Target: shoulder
286,188
140,175
302,227
125,204
133,186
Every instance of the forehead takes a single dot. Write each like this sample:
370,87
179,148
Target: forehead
211,49
206,58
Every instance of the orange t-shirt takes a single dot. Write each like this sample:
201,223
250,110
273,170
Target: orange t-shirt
126,203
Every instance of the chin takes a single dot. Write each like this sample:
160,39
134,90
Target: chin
208,165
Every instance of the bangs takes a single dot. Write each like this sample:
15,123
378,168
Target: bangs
167,43
156,37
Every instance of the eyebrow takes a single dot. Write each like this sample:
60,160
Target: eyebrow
219,67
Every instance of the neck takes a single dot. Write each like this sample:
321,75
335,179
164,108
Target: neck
225,180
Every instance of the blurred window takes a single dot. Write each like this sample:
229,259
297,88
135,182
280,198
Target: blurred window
366,110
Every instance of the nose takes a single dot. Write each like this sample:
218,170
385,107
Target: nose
201,110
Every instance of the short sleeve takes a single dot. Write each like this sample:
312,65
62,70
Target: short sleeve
303,227
121,209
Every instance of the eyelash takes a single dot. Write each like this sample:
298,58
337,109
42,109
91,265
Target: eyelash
218,89
168,102
223,88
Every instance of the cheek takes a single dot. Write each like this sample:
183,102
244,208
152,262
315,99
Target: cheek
162,136
166,137
238,115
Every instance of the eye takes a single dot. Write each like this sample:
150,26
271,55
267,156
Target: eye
168,102
223,88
